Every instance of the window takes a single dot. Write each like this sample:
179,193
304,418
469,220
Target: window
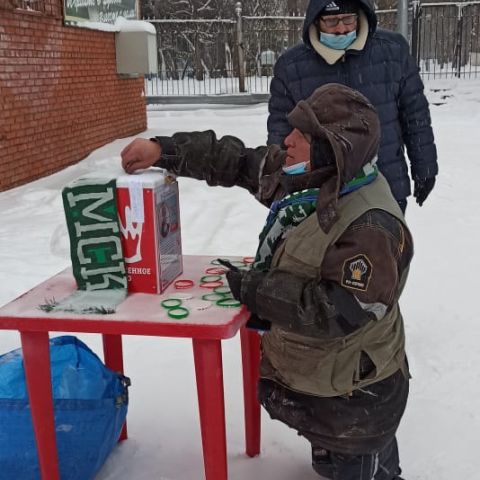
29,5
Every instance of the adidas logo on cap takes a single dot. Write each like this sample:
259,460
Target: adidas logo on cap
332,7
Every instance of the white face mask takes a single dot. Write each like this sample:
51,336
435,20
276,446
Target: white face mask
295,169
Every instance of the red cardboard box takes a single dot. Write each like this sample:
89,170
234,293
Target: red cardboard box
149,214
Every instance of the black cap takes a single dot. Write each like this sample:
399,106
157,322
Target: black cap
340,7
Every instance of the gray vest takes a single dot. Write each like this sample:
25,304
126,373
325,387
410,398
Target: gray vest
330,366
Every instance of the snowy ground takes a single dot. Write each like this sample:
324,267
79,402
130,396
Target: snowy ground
439,435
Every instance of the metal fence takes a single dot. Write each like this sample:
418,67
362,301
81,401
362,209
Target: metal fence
229,56
194,58
446,39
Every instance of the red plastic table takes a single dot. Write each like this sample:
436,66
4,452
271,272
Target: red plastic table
140,314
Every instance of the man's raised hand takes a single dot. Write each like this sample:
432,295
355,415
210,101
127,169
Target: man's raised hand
140,154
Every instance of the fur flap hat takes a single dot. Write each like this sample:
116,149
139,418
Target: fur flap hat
343,118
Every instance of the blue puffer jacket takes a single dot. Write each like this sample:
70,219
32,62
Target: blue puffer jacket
385,72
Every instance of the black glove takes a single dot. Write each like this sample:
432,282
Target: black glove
234,278
422,188
243,284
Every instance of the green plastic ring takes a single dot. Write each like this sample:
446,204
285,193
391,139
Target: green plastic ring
213,297
171,303
224,290
210,278
178,312
228,302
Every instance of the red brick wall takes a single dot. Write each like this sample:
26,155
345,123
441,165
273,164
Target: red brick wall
60,96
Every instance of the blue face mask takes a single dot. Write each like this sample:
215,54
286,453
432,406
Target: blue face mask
296,168
338,42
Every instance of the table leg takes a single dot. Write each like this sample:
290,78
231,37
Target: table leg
250,342
209,373
113,356
36,360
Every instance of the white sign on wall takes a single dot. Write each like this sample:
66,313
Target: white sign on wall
98,11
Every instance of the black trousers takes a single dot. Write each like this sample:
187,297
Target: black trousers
352,436
382,465
362,423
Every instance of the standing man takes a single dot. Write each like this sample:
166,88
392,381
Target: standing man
341,43
332,261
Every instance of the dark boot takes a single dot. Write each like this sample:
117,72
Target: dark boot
321,462
383,465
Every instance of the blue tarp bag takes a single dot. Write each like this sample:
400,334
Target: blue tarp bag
90,404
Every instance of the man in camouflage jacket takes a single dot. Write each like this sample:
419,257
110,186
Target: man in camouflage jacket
326,280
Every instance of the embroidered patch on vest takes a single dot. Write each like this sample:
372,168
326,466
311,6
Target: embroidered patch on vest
357,272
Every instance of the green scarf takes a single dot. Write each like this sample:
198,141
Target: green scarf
95,246
284,215
289,212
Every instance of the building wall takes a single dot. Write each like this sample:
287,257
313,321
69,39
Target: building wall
60,96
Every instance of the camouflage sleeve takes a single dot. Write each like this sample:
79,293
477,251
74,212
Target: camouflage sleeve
307,307
225,161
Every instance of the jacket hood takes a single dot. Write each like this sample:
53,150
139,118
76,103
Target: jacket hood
316,6
349,122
